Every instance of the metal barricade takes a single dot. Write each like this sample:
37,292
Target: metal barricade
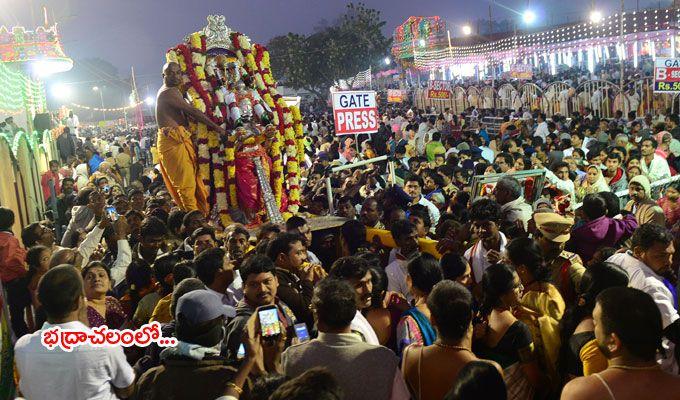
329,187
599,96
493,124
531,95
556,99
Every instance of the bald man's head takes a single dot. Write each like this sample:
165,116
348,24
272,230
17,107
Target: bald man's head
172,74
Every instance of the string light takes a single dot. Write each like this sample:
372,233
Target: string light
19,93
132,105
606,33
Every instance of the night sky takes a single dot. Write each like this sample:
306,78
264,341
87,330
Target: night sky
137,32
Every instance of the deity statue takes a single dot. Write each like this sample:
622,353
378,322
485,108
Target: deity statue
230,80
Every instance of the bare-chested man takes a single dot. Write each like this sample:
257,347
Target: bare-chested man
628,330
175,148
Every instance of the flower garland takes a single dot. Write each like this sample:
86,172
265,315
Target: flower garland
299,138
251,58
197,76
256,62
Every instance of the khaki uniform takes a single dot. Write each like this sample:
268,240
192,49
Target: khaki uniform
567,270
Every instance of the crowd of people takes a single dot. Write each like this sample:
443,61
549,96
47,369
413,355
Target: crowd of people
527,292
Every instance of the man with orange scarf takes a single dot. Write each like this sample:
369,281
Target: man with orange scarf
176,150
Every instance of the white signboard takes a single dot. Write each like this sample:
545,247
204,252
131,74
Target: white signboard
355,112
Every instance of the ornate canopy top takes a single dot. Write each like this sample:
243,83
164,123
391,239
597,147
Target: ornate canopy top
218,35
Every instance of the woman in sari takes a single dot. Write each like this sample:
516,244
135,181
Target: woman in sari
670,204
594,182
542,306
505,339
431,371
414,325
581,355
101,309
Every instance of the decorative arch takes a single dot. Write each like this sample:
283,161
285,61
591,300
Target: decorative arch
556,99
531,95
30,176
460,101
474,96
600,96
489,97
505,95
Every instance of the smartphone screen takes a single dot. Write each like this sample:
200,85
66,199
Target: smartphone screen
269,322
241,353
111,213
301,332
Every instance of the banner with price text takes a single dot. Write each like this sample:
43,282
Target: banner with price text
667,75
439,90
395,96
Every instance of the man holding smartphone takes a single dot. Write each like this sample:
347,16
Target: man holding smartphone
259,290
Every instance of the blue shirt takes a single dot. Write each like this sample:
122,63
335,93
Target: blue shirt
94,163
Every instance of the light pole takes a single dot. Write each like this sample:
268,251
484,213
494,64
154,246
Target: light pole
621,81
101,97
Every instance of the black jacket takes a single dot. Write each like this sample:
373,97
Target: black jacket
297,294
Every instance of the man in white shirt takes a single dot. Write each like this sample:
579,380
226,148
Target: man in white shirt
542,128
652,164
514,208
485,215
84,372
73,123
413,186
423,136
405,236
650,258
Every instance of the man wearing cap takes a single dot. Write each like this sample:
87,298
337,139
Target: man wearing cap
552,233
193,368
641,203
